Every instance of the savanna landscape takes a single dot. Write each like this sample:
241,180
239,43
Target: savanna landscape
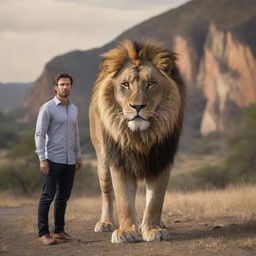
204,214
209,208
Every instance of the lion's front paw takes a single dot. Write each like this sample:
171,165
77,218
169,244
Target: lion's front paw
104,226
155,234
124,236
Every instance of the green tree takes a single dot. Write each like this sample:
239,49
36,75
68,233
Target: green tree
241,163
21,173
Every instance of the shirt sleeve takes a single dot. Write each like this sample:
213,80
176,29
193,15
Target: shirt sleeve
77,142
42,124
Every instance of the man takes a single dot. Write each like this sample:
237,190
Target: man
58,149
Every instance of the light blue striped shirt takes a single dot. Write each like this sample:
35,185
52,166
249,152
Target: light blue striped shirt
56,135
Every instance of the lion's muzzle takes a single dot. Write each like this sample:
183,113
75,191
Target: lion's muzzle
138,124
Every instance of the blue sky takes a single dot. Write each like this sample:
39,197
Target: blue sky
32,32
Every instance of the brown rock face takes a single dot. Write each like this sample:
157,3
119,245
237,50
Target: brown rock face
227,77
187,59
40,93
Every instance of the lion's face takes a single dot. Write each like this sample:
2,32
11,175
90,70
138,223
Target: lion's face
140,91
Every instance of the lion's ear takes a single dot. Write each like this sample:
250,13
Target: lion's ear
164,61
113,60
109,65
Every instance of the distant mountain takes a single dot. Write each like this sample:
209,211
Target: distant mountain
12,95
215,42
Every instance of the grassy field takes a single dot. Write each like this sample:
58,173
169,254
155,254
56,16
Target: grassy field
238,202
189,163
217,222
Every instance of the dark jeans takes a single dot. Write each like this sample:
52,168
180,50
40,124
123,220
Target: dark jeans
60,177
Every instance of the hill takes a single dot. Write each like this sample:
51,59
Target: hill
215,42
12,95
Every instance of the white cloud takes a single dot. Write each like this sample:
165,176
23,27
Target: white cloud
33,31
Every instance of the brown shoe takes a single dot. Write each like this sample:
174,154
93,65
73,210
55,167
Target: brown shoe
47,240
63,236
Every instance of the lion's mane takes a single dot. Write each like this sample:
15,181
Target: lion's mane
142,153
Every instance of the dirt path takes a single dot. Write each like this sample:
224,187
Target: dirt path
188,237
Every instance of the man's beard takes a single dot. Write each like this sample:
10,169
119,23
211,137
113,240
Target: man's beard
64,94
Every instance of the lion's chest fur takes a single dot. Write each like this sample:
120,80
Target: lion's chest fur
159,157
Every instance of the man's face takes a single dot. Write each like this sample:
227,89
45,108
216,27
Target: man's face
63,88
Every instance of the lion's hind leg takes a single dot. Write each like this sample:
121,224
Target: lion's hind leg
152,227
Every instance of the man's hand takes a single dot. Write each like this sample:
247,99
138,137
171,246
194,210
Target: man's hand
44,167
78,163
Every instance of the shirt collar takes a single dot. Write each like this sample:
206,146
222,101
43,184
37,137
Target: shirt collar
57,101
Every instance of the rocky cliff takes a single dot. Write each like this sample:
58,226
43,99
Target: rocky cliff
215,43
225,72
227,78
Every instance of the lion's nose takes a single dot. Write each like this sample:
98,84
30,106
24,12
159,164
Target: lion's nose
138,107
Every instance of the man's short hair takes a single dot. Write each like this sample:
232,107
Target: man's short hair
62,75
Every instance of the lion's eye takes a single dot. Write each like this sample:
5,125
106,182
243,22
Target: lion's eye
151,84
125,84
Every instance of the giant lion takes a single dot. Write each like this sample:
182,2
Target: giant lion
136,115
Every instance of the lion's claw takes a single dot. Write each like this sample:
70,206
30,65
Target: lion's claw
155,234
124,236
104,226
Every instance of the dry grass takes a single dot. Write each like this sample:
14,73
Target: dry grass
249,244
29,223
11,200
236,202
83,208
215,244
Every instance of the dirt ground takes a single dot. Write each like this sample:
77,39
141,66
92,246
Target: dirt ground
188,236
